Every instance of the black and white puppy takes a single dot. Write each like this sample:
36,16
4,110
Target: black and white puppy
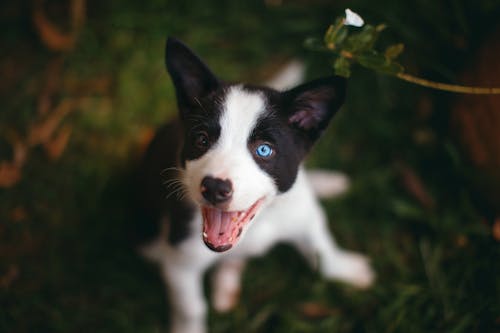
232,184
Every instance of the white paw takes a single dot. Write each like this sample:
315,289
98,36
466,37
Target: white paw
350,267
225,300
328,184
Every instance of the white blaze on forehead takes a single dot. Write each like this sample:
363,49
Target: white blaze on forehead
241,112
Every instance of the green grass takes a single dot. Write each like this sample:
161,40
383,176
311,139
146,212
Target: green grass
73,267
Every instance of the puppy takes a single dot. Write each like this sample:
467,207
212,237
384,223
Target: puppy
226,182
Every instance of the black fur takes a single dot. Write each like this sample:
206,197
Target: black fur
192,79
155,190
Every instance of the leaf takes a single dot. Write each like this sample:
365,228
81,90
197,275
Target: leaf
406,210
380,27
42,131
379,63
342,67
363,40
11,171
56,146
393,51
10,174
392,68
341,35
50,34
335,35
315,44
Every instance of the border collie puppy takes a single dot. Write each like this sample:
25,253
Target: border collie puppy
226,182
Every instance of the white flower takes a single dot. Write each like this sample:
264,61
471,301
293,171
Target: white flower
352,18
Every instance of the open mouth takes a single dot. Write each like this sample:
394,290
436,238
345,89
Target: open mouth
222,229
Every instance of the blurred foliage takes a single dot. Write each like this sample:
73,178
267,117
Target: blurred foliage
350,41
350,45
65,261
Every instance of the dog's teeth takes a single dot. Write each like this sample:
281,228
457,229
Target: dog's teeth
205,235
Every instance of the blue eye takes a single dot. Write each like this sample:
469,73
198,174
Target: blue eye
264,150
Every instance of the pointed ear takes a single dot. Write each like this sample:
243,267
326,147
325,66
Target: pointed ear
191,77
311,106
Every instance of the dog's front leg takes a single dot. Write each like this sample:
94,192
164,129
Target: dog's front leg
226,284
334,262
187,303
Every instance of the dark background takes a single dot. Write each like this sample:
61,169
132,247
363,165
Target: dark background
83,88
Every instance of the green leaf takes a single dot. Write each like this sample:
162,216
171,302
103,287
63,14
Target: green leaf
342,67
340,36
336,34
363,40
380,27
372,60
407,210
392,68
315,44
379,63
393,51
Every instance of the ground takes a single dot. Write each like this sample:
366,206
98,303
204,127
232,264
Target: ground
66,263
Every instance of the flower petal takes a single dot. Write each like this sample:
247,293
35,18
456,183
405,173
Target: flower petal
352,18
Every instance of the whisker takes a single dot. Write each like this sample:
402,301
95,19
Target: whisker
171,169
199,103
173,186
180,193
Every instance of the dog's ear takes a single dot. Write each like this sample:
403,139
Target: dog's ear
310,106
191,77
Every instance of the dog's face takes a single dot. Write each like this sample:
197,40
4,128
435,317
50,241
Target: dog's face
243,145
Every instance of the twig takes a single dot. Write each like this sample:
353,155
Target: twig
448,87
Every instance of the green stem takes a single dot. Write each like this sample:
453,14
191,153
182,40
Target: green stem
448,87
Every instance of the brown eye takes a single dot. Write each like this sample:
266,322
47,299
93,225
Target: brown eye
201,140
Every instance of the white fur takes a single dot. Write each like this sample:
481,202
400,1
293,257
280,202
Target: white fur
295,217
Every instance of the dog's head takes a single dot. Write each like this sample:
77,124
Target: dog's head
243,144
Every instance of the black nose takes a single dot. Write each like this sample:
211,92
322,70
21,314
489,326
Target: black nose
216,190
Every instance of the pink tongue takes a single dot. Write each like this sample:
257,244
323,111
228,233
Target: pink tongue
221,229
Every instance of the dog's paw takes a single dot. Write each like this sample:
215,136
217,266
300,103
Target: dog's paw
328,184
351,268
225,300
